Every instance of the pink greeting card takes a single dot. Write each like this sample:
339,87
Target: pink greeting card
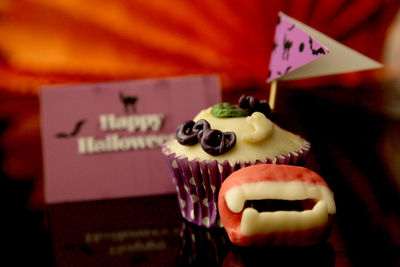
102,140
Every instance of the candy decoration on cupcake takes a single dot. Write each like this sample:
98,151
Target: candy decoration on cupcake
247,105
252,104
214,142
188,132
227,110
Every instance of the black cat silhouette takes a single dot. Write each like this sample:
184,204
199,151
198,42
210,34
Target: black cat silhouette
129,102
286,48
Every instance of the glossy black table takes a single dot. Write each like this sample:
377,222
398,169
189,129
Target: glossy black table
149,231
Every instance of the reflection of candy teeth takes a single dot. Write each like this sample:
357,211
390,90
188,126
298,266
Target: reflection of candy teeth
254,222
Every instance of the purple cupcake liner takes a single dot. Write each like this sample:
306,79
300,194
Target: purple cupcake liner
198,183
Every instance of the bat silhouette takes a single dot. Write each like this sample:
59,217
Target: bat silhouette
74,132
128,101
286,71
291,27
315,51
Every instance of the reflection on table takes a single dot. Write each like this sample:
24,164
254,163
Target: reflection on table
149,231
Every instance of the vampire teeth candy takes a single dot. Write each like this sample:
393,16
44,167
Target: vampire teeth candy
304,214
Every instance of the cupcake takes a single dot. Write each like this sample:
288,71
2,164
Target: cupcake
218,141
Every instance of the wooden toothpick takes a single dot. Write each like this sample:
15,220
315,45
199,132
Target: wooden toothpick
272,94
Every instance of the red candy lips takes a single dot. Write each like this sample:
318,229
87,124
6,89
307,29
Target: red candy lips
270,204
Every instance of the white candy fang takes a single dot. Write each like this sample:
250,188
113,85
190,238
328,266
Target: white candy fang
254,222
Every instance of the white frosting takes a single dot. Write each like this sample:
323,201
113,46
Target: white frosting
253,222
257,138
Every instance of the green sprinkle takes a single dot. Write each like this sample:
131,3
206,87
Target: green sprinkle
226,110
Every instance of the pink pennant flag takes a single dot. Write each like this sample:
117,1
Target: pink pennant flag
293,48
303,52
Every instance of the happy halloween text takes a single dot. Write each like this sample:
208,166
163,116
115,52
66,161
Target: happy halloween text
114,142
